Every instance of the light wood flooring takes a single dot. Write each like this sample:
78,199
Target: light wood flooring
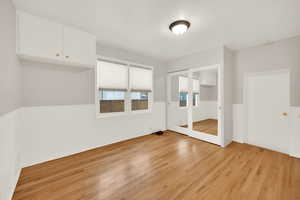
209,126
167,167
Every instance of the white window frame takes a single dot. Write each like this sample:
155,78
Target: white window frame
197,102
127,100
187,99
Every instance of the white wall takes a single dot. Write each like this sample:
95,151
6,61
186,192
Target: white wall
59,115
294,127
295,131
238,123
50,132
228,94
10,71
10,101
9,154
279,55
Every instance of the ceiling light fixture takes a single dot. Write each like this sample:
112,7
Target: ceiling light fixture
179,27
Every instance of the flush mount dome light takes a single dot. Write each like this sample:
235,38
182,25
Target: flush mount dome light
179,27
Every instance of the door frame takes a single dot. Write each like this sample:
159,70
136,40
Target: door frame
219,140
246,102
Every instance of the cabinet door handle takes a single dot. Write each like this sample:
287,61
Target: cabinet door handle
67,56
57,54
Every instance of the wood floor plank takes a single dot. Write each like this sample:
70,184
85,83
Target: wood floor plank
167,167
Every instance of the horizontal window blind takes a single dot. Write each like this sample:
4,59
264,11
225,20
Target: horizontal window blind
184,84
196,86
112,76
140,79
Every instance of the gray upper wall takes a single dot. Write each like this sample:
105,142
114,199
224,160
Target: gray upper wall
208,93
199,59
284,54
49,84
10,71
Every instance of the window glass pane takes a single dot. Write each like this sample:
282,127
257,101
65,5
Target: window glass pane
139,100
183,99
195,99
112,101
113,95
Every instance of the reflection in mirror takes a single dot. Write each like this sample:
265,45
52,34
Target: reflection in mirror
205,101
178,100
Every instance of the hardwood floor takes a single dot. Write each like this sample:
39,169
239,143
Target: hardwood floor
167,167
209,126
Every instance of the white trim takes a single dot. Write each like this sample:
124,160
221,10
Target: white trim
219,140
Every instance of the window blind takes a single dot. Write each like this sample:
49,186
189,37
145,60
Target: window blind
184,84
140,79
196,86
112,76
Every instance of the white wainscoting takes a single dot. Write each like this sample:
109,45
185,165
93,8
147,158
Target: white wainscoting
50,132
9,154
295,131
238,123
294,117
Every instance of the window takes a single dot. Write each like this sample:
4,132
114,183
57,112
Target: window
112,101
139,100
112,80
183,99
140,87
196,92
123,88
195,99
183,91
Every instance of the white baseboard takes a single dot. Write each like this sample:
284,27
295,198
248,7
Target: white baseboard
238,140
14,184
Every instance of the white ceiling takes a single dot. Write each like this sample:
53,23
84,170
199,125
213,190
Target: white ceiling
142,25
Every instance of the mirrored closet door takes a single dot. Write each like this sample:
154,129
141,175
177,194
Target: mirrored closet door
194,103
205,93
178,101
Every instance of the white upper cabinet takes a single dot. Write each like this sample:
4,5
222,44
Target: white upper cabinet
208,78
45,41
79,47
39,37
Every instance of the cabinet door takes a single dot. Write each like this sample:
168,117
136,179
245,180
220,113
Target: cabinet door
39,37
208,78
79,47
